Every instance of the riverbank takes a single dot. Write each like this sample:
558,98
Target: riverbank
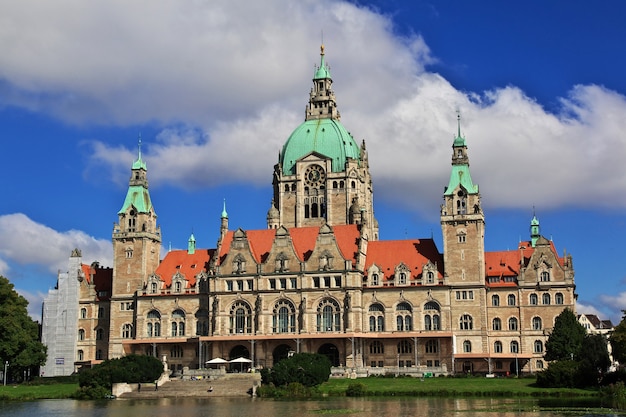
373,386
28,392
456,387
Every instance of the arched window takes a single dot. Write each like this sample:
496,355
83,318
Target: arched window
99,334
328,316
545,276
153,324
202,322
80,355
497,346
376,347
431,346
178,322
178,286
127,331
404,317
512,323
240,318
533,300
496,324
510,299
514,347
538,346
377,318
539,364
83,313
153,288
432,319
558,298
375,280
467,346
81,334
545,299
466,322
99,355
405,347
537,323
284,318
495,300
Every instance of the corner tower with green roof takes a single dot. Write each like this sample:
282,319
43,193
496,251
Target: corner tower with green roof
136,252
462,221
322,175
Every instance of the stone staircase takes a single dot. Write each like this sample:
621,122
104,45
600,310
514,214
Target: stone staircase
229,385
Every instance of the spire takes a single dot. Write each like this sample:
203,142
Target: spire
322,104
139,163
224,214
191,245
323,71
223,223
138,195
534,230
460,175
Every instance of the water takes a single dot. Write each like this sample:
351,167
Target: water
362,407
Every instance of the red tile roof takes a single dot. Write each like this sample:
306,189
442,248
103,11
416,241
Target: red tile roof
303,238
387,254
189,265
507,263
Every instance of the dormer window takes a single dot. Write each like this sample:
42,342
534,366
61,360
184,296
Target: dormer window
544,276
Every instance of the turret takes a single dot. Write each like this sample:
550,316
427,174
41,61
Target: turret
462,220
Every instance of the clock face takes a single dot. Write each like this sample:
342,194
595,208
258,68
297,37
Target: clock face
314,175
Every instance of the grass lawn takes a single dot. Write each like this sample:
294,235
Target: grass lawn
459,387
24,392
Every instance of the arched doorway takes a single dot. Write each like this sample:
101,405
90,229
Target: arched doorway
281,352
331,352
239,351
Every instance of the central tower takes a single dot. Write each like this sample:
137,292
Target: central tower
322,175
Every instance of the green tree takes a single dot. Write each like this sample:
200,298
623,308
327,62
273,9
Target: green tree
594,360
19,334
618,340
308,369
131,369
566,338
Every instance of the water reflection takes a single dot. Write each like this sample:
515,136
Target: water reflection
363,407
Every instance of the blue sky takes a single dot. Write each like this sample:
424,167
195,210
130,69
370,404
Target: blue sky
214,88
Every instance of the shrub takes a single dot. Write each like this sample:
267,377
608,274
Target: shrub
308,369
559,374
355,390
131,369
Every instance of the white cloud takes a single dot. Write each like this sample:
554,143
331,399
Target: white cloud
27,242
230,81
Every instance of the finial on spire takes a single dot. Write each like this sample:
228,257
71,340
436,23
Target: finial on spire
458,121
139,146
224,213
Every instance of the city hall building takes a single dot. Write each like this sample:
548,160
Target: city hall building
317,279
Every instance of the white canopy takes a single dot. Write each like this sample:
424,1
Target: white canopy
241,360
216,361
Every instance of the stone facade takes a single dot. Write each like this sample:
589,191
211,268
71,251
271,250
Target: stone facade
318,279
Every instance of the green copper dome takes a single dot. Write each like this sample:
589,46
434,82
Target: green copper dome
324,136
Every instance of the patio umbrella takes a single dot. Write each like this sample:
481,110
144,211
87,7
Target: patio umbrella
241,360
216,361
